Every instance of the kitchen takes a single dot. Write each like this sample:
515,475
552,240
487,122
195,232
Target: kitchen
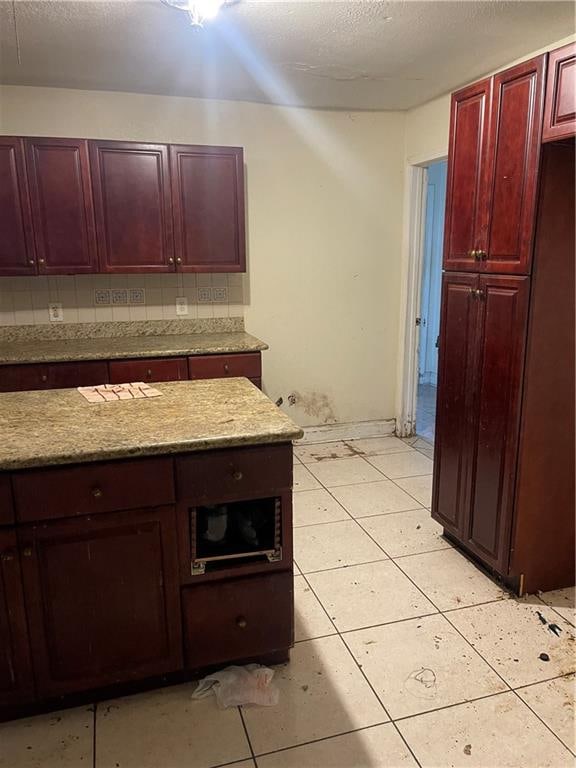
150,228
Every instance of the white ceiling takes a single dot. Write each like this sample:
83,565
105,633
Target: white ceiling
345,55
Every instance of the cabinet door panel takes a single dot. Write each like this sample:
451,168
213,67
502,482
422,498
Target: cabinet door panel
102,597
16,240
451,491
16,684
16,378
82,374
515,137
560,109
500,361
155,369
466,199
62,207
133,209
208,199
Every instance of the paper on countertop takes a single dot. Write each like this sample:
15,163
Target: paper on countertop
104,393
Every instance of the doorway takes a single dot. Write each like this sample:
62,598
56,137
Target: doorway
430,288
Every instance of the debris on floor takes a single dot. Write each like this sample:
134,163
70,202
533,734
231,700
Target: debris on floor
234,686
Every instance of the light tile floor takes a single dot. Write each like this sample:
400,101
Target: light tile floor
406,654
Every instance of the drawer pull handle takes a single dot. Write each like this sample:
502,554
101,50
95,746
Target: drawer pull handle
97,493
6,556
44,377
149,373
27,552
237,475
241,622
226,368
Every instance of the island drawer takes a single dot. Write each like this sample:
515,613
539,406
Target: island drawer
153,369
240,473
6,508
240,619
222,366
45,494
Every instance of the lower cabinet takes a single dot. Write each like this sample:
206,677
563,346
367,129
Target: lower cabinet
102,596
16,683
482,340
237,619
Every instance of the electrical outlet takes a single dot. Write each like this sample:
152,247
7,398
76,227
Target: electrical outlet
204,294
181,305
220,293
136,296
55,312
102,297
119,296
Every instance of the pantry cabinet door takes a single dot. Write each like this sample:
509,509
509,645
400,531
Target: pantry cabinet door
102,598
62,210
466,218
502,326
17,256
453,439
208,200
515,138
16,683
133,210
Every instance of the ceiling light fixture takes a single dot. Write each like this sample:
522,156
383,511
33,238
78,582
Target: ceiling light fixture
198,11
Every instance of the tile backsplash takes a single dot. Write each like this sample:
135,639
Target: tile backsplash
25,300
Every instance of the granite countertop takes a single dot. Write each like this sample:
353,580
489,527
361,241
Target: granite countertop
110,348
59,426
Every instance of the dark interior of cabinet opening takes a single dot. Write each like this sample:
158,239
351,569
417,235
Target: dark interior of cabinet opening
241,531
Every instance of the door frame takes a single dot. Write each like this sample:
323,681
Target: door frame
415,181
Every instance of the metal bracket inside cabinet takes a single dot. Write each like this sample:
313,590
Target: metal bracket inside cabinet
275,556
197,569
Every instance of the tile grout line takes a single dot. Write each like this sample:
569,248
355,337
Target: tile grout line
94,734
544,723
250,747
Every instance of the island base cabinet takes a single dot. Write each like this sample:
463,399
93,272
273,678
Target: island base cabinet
16,684
102,596
240,619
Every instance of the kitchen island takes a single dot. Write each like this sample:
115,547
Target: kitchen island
141,540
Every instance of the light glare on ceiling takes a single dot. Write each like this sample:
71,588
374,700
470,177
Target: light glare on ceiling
198,11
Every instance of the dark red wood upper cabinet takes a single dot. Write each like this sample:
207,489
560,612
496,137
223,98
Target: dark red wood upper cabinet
208,200
466,193
131,185
515,138
498,366
560,108
16,683
102,598
17,256
62,210
453,443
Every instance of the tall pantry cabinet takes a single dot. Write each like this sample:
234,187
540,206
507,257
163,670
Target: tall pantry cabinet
504,456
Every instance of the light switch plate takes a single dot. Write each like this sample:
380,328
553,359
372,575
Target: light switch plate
181,305
204,294
102,297
136,296
220,293
119,296
55,312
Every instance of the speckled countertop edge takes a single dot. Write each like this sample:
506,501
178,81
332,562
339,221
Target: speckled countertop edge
58,427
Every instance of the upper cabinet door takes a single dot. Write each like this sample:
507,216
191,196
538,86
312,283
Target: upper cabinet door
560,109
208,200
515,136
59,179
16,238
466,192
132,202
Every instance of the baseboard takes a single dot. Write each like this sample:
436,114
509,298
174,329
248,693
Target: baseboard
330,433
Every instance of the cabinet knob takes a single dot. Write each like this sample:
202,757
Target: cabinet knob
44,377
31,261
479,293
482,255
226,368
27,552
237,475
170,260
40,261
7,555
97,493
178,260
149,373
241,622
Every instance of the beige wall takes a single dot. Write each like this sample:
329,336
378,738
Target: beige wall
324,207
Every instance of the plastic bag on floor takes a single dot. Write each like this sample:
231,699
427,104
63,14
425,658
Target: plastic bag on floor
233,686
